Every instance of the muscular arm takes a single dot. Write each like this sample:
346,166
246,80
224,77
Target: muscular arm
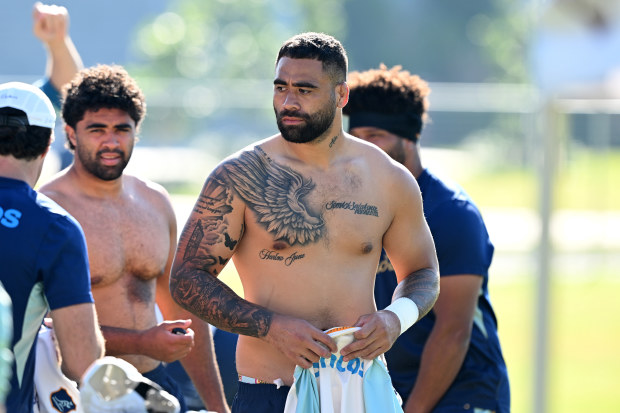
157,342
448,342
420,287
410,247
200,363
210,299
51,27
203,251
77,324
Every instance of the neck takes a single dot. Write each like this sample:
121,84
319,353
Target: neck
413,162
321,151
22,170
92,186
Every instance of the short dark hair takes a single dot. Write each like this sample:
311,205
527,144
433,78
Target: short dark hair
388,91
102,87
319,46
23,141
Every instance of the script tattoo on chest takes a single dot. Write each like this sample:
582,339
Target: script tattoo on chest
270,255
276,195
357,208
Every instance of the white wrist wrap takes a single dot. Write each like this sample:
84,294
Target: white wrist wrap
406,310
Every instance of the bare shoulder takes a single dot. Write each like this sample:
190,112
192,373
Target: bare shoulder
381,164
146,189
246,159
264,146
58,186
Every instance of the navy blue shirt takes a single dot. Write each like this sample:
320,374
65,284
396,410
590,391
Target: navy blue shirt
463,247
44,265
52,93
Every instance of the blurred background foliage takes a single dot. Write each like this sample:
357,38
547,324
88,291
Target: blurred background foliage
218,58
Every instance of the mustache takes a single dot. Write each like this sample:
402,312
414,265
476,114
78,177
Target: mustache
292,113
117,151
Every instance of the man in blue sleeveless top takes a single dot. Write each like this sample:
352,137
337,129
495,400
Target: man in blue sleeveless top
42,250
450,360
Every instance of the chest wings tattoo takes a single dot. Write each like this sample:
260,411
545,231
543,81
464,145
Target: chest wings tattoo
276,194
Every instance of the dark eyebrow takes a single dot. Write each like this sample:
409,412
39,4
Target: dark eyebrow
96,126
103,125
305,85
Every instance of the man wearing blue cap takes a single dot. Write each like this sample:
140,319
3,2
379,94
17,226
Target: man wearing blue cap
42,249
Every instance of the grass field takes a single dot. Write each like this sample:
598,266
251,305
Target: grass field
584,361
587,180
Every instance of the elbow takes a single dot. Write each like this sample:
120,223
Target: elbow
461,337
434,283
460,340
75,365
73,372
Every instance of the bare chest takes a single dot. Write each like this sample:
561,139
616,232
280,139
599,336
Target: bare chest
312,242
340,211
124,240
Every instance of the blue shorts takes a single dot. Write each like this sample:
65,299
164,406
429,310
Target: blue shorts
260,398
160,376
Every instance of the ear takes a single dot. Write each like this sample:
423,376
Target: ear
49,144
342,90
70,132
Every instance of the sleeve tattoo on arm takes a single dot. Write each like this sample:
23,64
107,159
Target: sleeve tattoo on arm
275,194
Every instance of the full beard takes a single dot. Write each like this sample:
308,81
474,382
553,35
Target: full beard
314,125
104,172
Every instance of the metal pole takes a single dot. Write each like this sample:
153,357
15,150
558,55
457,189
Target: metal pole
547,167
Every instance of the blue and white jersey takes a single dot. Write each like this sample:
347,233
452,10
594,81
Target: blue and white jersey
463,247
336,386
44,266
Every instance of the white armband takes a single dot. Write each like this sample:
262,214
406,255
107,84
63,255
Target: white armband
406,310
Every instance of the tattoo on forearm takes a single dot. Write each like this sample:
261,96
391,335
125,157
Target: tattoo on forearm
214,302
422,287
358,209
276,195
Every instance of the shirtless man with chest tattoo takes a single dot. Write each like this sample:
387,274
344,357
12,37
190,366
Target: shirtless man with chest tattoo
130,230
304,215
